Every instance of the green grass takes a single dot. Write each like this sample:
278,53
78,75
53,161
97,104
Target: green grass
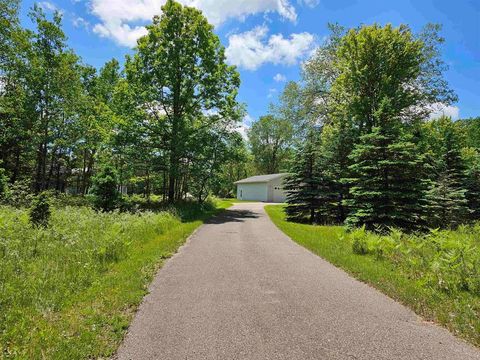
70,291
421,286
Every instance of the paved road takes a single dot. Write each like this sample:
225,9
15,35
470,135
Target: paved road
241,289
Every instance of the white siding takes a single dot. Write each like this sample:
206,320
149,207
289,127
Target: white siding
252,191
276,192
271,191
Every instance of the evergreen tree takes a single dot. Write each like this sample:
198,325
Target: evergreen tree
302,185
387,189
105,190
3,182
311,193
447,204
337,141
40,212
472,184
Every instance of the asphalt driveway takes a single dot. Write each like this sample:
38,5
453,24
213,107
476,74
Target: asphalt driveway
241,289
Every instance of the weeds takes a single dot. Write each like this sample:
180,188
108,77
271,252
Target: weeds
447,260
68,290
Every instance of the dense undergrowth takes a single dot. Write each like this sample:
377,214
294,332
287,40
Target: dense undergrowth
437,274
68,291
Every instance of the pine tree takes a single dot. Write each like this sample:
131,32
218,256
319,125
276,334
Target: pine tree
472,185
40,211
447,205
337,142
302,185
104,189
3,182
387,189
311,193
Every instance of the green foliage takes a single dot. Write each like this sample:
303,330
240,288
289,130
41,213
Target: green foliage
371,87
106,194
19,194
302,185
472,181
270,139
387,187
311,192
445,260
60,119
359,241
447,204
189,80
69,291
3,183
40,211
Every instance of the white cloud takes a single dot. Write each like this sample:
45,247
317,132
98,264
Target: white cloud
123,34
80,22
245,126
252,49
309,3
439,109
116,16
48,6
271,93
280,78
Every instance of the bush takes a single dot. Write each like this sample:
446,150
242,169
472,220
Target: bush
3,183
359,241
19,194
106,195
447,260
64,200
40,211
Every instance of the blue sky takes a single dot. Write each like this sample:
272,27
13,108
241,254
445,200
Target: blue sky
268,39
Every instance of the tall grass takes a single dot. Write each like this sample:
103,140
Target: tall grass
68,291
436,274
447,260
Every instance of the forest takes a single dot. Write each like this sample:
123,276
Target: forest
63,121
355,132
363,147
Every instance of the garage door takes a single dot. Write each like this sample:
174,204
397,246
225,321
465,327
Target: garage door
279,195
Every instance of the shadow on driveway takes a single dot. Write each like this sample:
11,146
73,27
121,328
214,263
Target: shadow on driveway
232,216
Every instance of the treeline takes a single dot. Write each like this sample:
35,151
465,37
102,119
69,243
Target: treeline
165,121
370,153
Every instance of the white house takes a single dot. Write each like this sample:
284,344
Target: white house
262,188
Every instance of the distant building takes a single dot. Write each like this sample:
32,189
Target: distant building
267,188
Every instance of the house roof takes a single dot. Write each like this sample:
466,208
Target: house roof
260,178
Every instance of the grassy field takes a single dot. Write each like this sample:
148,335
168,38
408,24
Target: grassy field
437,275
70,291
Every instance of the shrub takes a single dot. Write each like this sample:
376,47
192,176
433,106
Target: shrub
3,183
19,194
64,200
40,211
106,195
446,260
359,241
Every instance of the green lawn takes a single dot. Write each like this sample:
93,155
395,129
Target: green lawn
459,311
70,291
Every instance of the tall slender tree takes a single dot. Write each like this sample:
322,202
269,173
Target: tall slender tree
180,73
387,186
